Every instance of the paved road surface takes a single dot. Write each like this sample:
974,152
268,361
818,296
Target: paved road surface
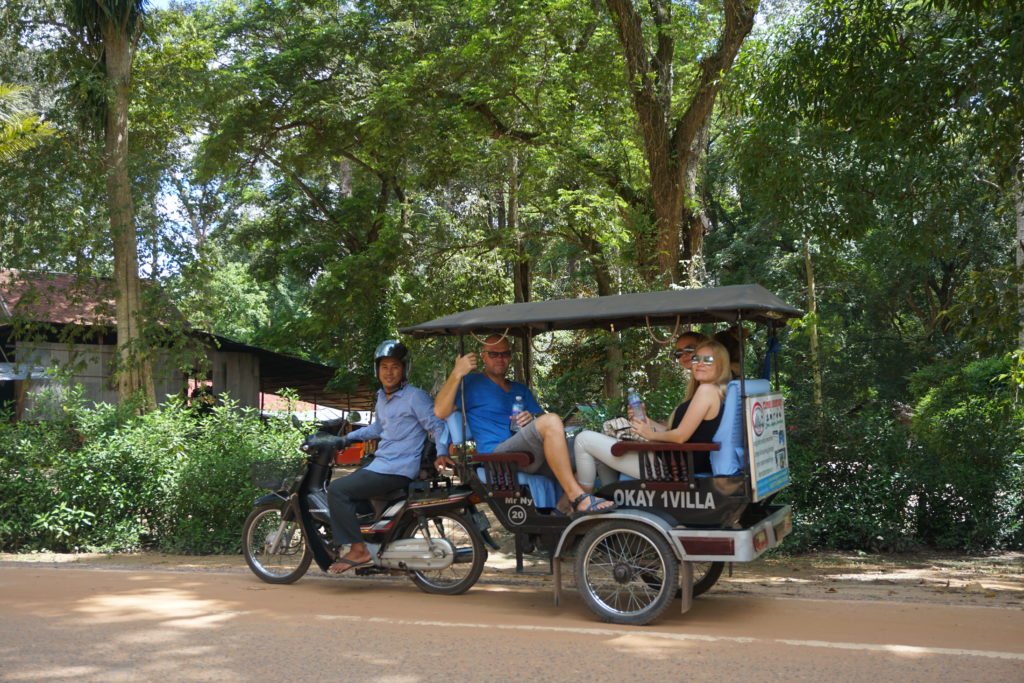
62,623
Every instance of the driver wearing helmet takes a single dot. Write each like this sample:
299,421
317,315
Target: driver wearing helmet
405,417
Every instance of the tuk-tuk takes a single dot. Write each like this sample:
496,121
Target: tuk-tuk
674,529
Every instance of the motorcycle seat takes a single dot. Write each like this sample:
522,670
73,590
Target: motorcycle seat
381,503
395,494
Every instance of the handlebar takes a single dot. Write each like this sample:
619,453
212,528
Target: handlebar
322,442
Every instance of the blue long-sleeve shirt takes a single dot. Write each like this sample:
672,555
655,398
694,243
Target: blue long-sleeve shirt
403,421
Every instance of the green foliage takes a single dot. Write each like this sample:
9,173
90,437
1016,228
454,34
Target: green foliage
970,428
20,127
851,487
208,492
105,479
953,480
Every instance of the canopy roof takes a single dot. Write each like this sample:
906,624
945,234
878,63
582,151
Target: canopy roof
682,306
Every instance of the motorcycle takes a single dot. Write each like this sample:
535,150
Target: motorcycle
430,531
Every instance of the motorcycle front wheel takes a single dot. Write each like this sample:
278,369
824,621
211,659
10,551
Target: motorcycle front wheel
275,549
470,554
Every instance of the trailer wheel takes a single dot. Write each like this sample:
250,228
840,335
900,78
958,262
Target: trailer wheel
626,572
705,575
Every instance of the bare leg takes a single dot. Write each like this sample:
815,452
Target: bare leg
556,453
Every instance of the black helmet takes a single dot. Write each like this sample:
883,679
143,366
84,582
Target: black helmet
392,348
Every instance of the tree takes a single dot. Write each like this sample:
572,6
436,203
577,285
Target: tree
884,134
110,30
82,51
674,134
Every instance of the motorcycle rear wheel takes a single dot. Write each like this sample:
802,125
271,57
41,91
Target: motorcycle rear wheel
282,562
470,554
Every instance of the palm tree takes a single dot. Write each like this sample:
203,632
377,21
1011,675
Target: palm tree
20,128
110,30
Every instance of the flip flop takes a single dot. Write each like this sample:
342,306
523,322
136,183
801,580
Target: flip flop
592,506
348,564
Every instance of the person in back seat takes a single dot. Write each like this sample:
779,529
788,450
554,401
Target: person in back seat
695,420
405,417
686,346
488,406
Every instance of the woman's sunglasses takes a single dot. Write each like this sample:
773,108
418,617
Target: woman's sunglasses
703,360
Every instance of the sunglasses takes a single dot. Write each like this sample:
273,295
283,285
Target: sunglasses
498,354
686,350
703,360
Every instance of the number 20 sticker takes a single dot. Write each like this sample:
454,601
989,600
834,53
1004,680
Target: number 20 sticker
517,514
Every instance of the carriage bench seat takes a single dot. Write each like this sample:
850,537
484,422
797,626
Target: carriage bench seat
666,465
497,474
496,470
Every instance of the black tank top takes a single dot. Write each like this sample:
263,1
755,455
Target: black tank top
704,433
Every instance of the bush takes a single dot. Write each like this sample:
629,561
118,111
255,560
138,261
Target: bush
970,465
209,492
38,510
101,478
953,480
850,488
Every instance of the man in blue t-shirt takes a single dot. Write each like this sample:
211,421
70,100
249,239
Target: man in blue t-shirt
487,399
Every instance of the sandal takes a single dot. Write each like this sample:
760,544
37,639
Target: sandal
592,506
342,565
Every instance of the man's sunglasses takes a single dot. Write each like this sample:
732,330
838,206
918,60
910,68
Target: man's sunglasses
703,360
686,350
498,354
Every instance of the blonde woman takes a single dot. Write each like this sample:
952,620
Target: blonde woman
695,420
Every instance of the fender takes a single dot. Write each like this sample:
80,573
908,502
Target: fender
270,498
580,526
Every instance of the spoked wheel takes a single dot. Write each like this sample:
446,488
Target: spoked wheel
626,572
274,549
470,554
705,575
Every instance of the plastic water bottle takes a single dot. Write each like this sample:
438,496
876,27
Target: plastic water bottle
517,407
635,402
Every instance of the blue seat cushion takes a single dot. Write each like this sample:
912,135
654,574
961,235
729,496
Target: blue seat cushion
544,490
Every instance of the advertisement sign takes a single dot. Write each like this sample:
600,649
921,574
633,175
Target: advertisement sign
766,444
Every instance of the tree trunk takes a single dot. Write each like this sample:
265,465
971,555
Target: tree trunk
673,142
1019,211
812,310
612,350
695,220
520,268
134,376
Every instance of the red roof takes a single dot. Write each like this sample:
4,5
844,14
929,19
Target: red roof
56,298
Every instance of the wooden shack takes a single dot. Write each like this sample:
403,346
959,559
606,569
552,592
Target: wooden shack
51,322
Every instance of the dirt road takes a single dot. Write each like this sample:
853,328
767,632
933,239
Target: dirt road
135,618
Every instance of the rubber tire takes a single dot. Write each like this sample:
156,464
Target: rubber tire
435,581
256,528
607,584
703,583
